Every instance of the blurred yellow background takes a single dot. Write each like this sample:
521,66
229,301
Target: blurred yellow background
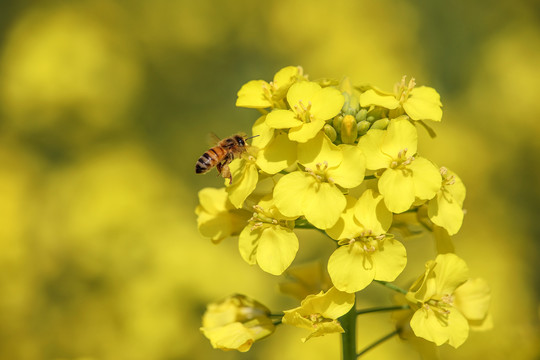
104,110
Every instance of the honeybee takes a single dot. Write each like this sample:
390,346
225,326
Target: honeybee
221,155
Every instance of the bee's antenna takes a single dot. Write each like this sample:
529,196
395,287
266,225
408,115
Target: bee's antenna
251,137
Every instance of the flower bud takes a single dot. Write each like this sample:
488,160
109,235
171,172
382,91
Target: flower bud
336,123
363,127
349,131
371,118
351,105
330,132
377,113
361,115
236,323
380,124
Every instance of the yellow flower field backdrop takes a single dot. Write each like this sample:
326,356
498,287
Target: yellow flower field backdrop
105,107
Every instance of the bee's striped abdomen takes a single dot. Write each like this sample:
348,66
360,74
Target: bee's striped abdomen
209,159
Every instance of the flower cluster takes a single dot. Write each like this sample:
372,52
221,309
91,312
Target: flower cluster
344,160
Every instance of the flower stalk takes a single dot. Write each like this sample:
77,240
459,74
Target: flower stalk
348,338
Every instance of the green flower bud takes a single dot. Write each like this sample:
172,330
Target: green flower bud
349,132
330,132
347,98
351,105
361,115
336,123
380,124
363,127
377,113
370,119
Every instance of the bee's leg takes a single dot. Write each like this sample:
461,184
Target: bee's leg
219,168
226,172
223,168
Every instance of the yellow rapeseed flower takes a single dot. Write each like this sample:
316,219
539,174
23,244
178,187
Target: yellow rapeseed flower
260,94
245,177
236,322
319,313
405,176
268,239
445,300
310,106
217,218
445,209
419,103
313,191
276,152
366,252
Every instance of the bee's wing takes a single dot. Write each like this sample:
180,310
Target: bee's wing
212,139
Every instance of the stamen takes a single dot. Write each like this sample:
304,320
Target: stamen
448,299
256,226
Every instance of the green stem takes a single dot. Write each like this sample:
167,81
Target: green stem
392,286
382,308
369,177
348,338
378,342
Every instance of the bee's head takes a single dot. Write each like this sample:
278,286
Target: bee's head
240,140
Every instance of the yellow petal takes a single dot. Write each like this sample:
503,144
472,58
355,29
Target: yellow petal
247,244
325,328
243,186
397,188
276,250
444,211
233,336
282,119
278,155
423,104
303,92
347,227
427,178
443,241
322,205
251,95
290,191
306,131
225,224
400,135
452,328
473,299
331,304
370,97
457,190
371,144
295,318
214,200
350,269
318,150
350,172
450,272
389,260
326,103
264,133
283,80
371,212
